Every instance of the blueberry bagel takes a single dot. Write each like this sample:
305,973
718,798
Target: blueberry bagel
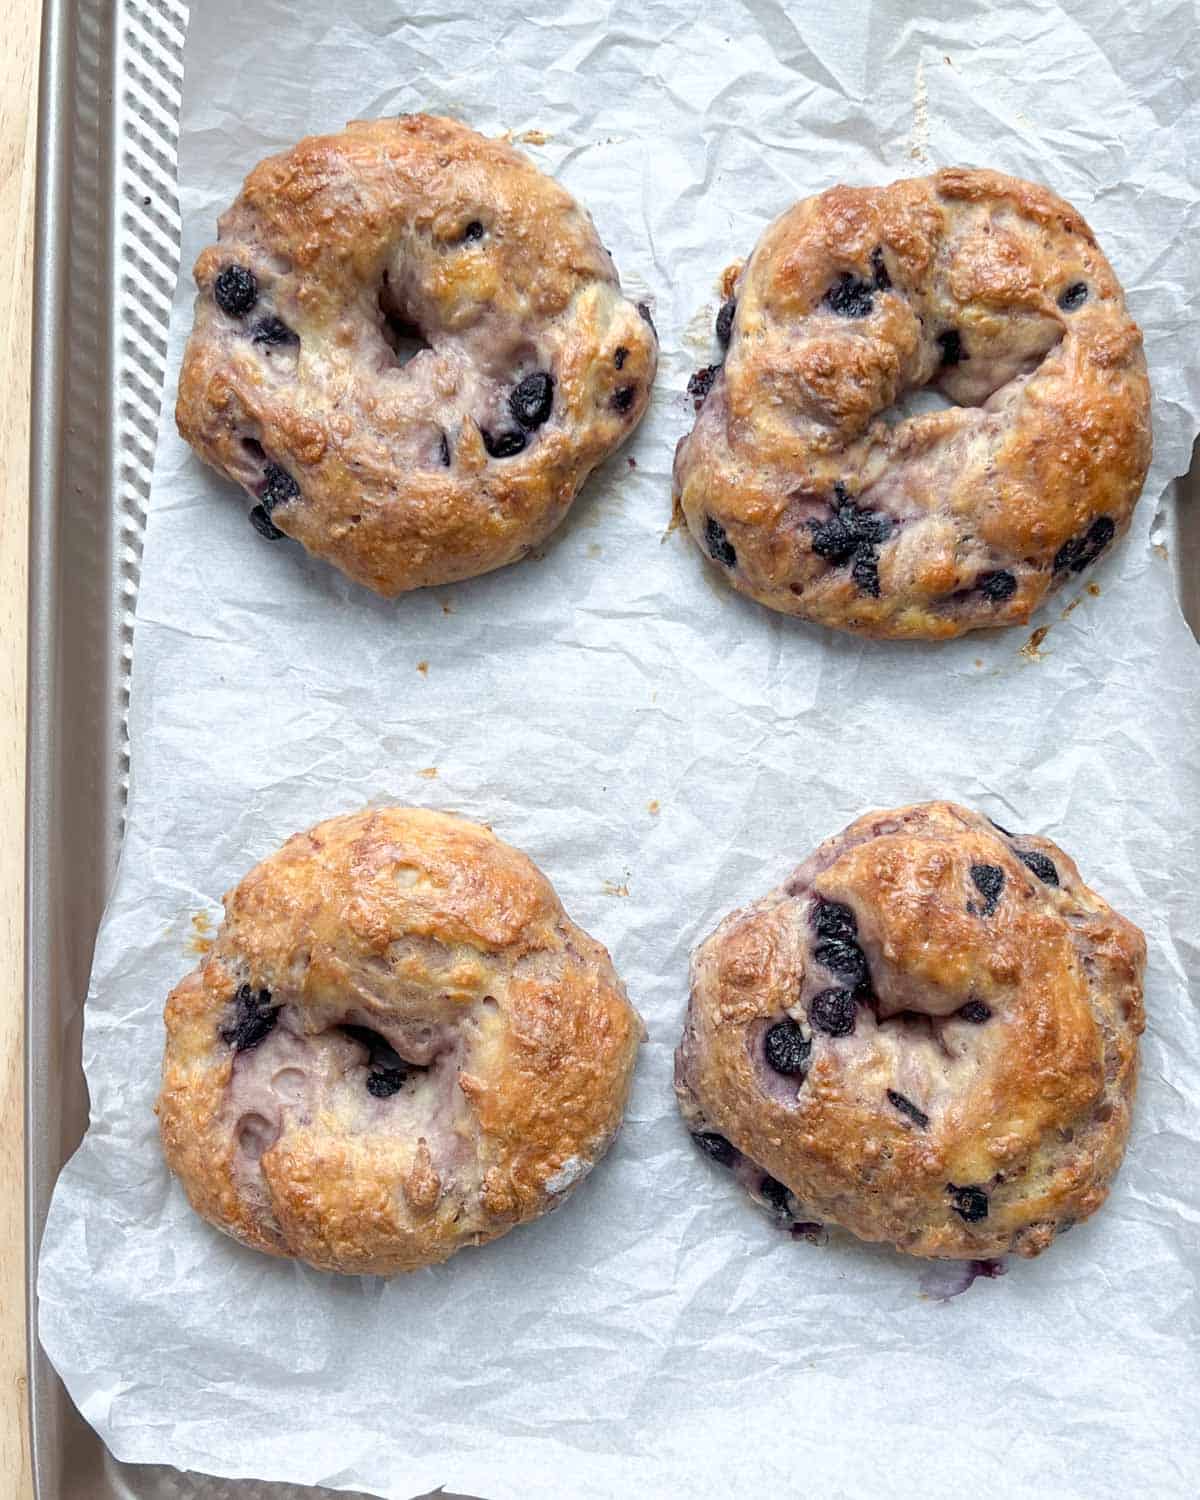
927,1035
338,259
399,1045
801,488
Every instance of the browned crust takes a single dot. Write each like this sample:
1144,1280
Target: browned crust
794,408
318,225
1038,1110
400,913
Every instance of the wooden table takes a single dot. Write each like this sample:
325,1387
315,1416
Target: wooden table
20,23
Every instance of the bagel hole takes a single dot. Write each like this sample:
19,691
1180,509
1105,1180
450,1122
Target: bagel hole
402,336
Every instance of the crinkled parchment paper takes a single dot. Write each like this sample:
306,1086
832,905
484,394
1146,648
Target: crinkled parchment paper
664,750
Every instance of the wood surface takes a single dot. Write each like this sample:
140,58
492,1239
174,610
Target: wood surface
20,24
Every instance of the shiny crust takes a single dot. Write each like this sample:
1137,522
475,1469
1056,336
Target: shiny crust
429,930
1054,432
1031,1106
320,226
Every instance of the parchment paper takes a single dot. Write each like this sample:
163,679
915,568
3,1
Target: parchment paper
664,750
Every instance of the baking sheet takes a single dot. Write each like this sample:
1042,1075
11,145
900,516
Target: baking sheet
656,1328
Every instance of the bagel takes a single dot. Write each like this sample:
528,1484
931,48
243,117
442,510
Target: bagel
803,491
927,1035
398,1045
337,257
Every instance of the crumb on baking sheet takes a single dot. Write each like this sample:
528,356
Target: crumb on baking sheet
428,772
632,462
533,137
201,937
423,668
1031,650
653,808
595,549
1160,549
1094,590
611,888
447,607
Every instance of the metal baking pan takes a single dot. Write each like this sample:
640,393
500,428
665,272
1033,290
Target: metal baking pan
107,259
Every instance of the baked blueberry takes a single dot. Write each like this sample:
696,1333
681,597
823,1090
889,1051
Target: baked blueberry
843,958
1041,865
716,1146
382,1083
254,1018
264,525
623,397
236,290
273,332
503,444
279,488
444,451
720,548
701,383
531,401
832,1011
725,322
620,355
882,280
1074,296
988,880
849,297
833,920
787,1048
907,1107
998,585
974,1011
950,343
776,1195
1080,551
864,570
970,1203
473,231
